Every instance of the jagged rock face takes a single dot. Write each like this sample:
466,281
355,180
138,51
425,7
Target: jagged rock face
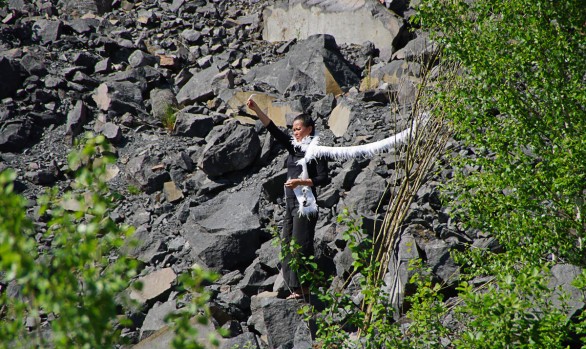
312,67
233,147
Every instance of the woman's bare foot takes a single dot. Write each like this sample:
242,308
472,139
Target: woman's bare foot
299,293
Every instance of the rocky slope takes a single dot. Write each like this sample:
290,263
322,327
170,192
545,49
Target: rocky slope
210,184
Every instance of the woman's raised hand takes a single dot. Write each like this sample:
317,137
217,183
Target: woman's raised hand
250,103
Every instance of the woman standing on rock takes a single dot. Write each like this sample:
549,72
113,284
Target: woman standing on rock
297,228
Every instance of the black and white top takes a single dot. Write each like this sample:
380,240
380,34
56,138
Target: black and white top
317,169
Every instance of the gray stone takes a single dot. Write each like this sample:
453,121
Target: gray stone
78,8
45,177
562,276
76,118
268,256
343,262
281,319
172,193
139,58
54,82
150,247
303,337
350,170
34,64
155,318
366,194
350,21
392,73
193,125
234,304
87,60
85,80
176,5
324,106
191,36
119,97
162,102
163,339
154,285
46,31
146,17
225,243
418,50
328,198
255,278
199,88
83,25
438,257
234,147
273,186
313,66
147,173
20,5
104,66
112,132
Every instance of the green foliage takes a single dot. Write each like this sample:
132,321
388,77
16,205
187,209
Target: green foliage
169,117
134,190
195,313
70,272
305,266
512,310
520,100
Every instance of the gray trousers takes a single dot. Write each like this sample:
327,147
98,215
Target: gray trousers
301,230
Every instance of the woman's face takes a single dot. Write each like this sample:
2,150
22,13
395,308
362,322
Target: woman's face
300,131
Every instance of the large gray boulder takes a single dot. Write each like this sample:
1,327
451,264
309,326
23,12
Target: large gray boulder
147,172
233,147
119,97
366,194
313,66
78,8
76,118
163,101
46,31
155,318
193,125
199,88
277,319
562,276
351,21
438,257
225,232
392,73
15,135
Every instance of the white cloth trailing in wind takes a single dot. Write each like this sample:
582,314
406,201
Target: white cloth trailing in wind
312,149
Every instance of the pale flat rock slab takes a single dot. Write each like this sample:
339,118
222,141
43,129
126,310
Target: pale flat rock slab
350,21
154,285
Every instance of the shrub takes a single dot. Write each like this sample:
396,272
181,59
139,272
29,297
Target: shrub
68,276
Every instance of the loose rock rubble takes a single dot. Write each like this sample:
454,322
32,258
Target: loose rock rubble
211,181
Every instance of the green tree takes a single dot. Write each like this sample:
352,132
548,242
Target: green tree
68,274
520,102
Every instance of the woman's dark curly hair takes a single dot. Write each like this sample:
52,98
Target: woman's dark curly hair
307,121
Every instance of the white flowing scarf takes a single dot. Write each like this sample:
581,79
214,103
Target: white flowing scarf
310,145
